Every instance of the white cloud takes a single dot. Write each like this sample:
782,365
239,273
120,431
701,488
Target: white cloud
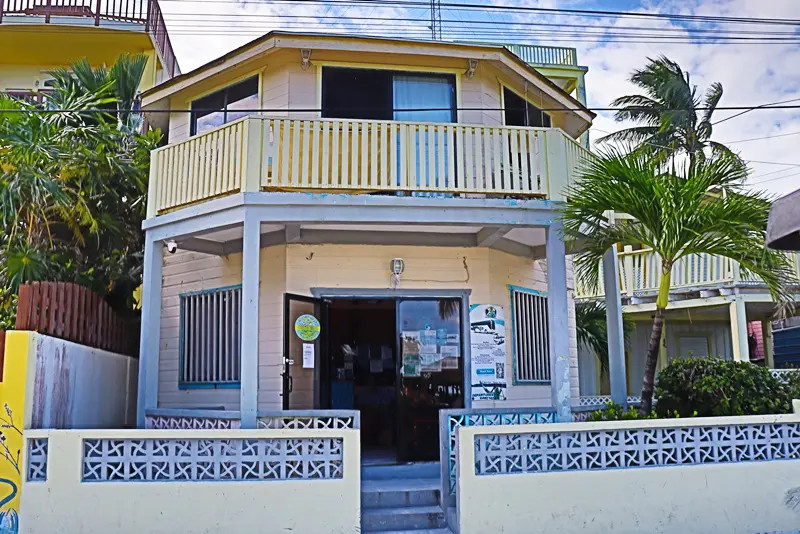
751,74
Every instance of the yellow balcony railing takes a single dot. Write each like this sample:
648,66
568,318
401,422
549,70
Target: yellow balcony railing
640,271
362,156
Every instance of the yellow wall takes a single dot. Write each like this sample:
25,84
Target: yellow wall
726,498
28,53
64,505
299,268
286,86
15,393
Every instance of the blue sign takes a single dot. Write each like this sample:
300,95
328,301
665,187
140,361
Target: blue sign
484,371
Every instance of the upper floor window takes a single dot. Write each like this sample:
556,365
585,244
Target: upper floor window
388,95
224,106
520,112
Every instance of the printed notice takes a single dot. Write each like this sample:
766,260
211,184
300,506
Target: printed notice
488,352
449,354
308,355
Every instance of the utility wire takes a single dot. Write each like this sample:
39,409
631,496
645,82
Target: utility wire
759,138
523,9
319,110
770,105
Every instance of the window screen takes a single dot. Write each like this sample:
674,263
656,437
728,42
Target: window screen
224,106
211,333
531,336
693,347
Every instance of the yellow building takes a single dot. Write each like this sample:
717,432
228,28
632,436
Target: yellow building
37,36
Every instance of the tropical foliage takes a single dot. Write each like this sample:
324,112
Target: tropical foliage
73,183
592,330
713,387
689,208
672,118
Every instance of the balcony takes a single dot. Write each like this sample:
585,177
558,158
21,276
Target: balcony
545,55
640,271
143,12
362,157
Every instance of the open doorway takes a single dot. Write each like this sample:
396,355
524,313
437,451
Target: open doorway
362,350
398,361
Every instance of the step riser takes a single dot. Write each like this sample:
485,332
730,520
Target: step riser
378,523
387,472
391,499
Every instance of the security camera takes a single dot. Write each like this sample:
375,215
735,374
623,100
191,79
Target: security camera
172,247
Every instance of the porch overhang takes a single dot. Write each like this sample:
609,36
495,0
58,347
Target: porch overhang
215,227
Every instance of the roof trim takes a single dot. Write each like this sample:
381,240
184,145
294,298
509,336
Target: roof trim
283,39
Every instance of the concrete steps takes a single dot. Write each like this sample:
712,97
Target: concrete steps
402,499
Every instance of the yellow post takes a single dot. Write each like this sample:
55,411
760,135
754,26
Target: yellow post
769,348
251,168
153,185
16,387
556,164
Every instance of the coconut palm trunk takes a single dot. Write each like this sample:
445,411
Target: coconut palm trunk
654,346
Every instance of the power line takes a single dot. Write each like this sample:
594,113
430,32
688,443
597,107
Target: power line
770,105
759,138
319,110
774,179
526,9
747,161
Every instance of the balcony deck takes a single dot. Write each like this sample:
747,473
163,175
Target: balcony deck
144,12
362,156
640,270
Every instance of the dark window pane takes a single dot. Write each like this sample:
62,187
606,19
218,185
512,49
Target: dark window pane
356,93
520,112
212,110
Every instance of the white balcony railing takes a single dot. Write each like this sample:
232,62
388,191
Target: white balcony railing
362,156
640,272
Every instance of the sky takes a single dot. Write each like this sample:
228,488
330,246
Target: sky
751,73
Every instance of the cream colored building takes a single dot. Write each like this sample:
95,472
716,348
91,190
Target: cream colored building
388,189
37,36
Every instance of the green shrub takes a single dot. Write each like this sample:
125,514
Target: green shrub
614,412
713,387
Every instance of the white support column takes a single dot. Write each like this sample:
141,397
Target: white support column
150,337
581,94
741,348
251,248
769,348
558,318
616,336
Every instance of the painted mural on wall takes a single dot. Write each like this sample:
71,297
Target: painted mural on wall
12,418
488,352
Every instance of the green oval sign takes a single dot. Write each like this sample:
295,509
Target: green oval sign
307,327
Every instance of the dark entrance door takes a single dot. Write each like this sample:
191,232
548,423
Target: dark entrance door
431,373
306,367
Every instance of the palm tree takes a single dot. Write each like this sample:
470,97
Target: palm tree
694,208
669,123
592,329
73,182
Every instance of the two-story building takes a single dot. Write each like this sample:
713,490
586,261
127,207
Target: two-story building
37,36
359,223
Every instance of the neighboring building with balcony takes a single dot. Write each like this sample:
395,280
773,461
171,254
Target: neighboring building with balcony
714,311
37,36
387,191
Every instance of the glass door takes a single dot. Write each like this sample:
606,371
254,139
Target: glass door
431,374
306,368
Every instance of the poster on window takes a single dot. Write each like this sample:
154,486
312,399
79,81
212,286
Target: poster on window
488,352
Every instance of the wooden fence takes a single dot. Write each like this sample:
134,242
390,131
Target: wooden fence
72,312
